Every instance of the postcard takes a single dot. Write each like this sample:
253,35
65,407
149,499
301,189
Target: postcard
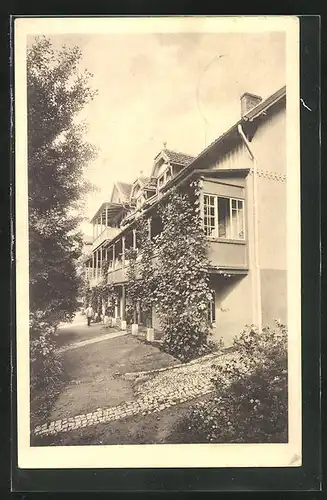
157,166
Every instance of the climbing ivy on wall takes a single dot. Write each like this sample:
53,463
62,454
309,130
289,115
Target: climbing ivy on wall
103,292
141,288
183,292
170,272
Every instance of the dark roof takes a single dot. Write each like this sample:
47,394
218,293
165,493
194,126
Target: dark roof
125,189
179,158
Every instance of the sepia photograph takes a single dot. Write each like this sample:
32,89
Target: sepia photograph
158,242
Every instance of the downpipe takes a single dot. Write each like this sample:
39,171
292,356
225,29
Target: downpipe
256,226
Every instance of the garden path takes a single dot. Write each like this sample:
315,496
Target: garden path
126,393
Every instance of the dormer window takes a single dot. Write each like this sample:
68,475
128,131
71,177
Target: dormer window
164,177
161,181
140,200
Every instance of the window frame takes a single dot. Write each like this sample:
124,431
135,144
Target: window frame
215,233
164,177
140,200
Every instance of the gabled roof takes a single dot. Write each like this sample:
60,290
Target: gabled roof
192,163
252,114
174,157
178,158
125,189
142,181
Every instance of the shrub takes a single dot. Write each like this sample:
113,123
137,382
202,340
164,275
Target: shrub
186,340
250,401
46,368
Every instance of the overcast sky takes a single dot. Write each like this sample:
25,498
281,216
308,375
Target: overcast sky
182,89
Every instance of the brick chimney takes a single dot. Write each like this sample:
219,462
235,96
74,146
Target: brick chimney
249,101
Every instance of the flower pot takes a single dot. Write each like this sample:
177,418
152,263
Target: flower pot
135,328
150,334
123,325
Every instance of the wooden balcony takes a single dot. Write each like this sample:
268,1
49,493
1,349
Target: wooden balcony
107,234
118,275
228,254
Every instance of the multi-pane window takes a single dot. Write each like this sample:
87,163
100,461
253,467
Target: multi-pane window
223,217
209,216
237,220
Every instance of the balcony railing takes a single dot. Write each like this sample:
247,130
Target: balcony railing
223,254
108,234
118,274
228,254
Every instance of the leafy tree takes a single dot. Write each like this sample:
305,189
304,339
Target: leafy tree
57,157
183,291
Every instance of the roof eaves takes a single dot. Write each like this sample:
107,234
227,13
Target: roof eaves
108,205
200,156
266,104
252,114
99,210
223,172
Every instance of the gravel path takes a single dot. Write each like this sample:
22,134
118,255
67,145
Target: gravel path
155,391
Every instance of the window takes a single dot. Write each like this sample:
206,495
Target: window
237,222
139,202
223,217
161,181
209,214
168,175
164,178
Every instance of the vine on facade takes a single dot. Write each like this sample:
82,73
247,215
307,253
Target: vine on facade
183,292
103,294
140,274
170,273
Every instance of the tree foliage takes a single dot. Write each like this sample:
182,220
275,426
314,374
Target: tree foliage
57,157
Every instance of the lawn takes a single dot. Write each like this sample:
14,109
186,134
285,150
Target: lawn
90,378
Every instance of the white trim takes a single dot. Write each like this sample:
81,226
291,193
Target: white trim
229,235
164,176
216,231
161,155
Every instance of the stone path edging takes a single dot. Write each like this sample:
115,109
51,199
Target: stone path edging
141,374
164,390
